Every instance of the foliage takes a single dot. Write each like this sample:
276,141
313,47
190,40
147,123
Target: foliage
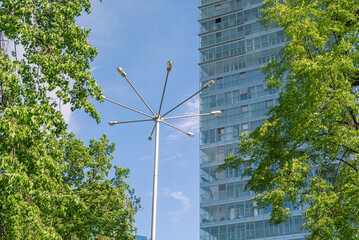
58,189
55,51
307,151
51,185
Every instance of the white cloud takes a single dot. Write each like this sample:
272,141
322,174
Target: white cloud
146,157
186,204
94,68
178,196
161,192
168,156
190,124
172,137
193,106
172,156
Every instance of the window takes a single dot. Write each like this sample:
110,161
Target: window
219,83
260,90
218,7
269,104
220,133
222,212
260,105
244,108
208,136
244,97
245,126
218,34
236,131
251,91
228,98
212,101
218,20
244,90
235,96
221,187
220,99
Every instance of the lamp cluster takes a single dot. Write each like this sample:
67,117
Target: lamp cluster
158,118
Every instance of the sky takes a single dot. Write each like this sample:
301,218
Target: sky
141,36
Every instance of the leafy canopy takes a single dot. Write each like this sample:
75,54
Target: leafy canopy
52,186
307,151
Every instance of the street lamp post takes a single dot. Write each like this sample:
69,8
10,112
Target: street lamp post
158,118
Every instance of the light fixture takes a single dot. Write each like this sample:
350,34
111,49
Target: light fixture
216,113
112,123
158,118
120,71
190,134
169,65
209,84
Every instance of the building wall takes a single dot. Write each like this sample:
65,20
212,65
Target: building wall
233,46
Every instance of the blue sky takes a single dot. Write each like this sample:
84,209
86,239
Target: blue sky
141,36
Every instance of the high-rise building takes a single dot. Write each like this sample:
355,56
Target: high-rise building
233,46
138,237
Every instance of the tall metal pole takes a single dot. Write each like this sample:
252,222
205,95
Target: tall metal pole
155,181
158,119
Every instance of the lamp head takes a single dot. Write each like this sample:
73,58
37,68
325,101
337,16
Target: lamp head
120,71
169,65
149,138
209,84
190,134
112,123
216,113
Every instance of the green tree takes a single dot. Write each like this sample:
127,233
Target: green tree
306,153
94,205
51,185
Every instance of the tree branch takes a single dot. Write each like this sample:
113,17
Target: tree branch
48,46
306,42
347,163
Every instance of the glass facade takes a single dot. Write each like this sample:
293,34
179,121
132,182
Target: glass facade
233,46
138,237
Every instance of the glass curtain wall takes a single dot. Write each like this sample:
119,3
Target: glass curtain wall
233,46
